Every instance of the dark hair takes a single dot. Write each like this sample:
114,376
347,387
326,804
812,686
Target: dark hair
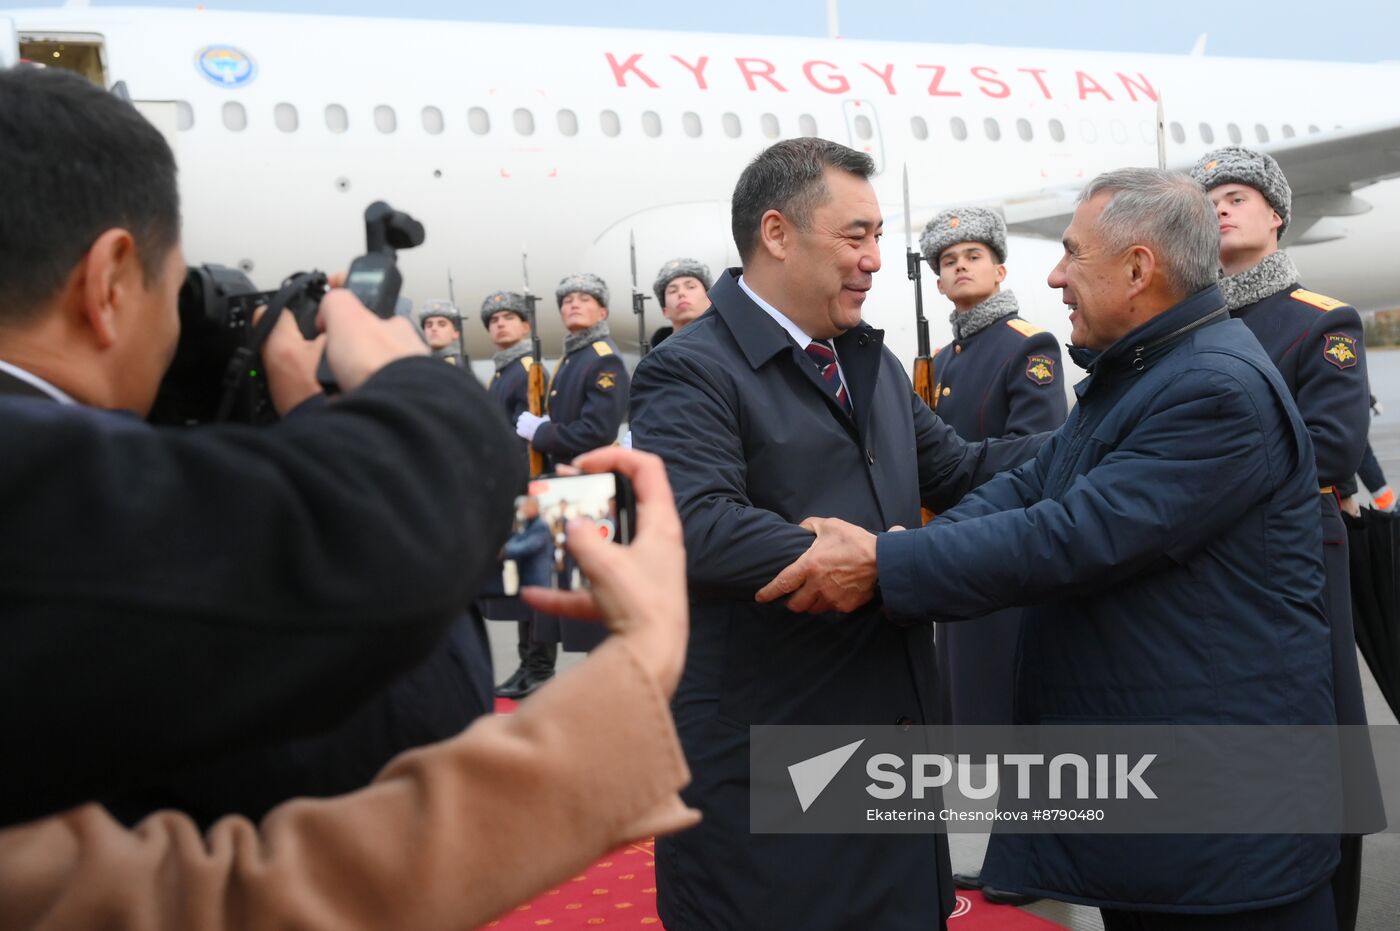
788,177
75,161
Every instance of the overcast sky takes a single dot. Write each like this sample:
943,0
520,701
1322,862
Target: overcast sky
1340,30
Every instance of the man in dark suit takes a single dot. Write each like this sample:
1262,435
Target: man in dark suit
779,405
170,595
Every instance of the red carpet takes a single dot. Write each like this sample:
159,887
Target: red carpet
619,891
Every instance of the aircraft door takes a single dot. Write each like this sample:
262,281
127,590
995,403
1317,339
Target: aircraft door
9,43
84,53
863,130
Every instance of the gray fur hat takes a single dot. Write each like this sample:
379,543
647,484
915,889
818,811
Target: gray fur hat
440,309
498,301
680,268
963,224
1238,165
584,283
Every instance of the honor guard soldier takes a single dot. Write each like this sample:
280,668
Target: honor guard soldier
1000,376
507,321
1316,342
442,328
587,404
682,290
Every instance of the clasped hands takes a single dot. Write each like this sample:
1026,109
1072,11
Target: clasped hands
837,573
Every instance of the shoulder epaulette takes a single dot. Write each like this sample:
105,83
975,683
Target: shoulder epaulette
1321,301
527,361
602,348
1024,328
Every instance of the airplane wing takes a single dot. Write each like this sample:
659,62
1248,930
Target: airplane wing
1324,170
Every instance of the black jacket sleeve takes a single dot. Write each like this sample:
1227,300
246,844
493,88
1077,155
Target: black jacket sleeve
1333,392
1035,391
950,467
169,594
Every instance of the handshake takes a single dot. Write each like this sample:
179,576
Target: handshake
837,573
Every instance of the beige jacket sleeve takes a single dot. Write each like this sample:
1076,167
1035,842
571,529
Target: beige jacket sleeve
448,836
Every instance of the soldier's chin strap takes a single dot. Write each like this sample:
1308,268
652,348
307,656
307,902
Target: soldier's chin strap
239,364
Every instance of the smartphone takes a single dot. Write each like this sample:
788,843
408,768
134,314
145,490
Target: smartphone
604,497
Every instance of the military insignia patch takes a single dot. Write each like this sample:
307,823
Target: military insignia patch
1040,369
1339,349
606,381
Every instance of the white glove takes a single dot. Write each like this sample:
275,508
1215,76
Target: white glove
626,441
527,423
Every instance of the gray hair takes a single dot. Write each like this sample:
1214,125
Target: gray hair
789,177
1169,213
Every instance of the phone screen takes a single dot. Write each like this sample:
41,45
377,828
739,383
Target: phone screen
553,500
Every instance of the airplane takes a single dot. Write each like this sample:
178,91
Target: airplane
567,142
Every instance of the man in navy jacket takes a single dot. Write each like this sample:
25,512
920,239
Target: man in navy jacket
761,426
1166,541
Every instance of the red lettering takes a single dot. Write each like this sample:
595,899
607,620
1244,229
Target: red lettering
1088,85
697,69
991,78
1036,73
886,75
938,72
840,85
1146,86
765,72
620,71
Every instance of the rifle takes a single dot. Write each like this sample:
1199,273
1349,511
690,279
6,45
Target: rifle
639,301
1161,135
923,362
461,340
534,379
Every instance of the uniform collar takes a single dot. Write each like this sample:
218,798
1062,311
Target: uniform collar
573,342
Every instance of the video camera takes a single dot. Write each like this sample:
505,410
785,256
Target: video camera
217,372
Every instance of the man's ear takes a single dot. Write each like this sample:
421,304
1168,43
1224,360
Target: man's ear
774,234
1001,273
108,273
605,314
1141,268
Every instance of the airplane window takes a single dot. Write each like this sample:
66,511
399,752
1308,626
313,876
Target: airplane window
1207,134
184,115
1057,130
958,128
1089,131
651,123
992,128
1312,128
807,125
1118,131
610,123
1023,129
1178,134
1288,131
568,122
479,120
769,123
336,120
432,120
863,128
731,125
690,122
235,117
285,116
919,127
524,121
1235,135
384,119
1261,131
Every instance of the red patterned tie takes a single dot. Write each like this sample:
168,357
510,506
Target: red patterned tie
825,357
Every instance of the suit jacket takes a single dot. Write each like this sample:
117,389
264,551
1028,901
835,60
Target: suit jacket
170,594
754,442
448,837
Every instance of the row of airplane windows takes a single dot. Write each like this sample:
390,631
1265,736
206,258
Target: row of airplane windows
287,119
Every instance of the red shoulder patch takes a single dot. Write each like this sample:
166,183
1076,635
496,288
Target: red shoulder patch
1339,349
1040,369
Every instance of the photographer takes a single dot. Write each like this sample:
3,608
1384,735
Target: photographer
170,595
449,836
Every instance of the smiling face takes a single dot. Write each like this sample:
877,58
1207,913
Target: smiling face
685,300
1249,226
1094,280
829,268
969,273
